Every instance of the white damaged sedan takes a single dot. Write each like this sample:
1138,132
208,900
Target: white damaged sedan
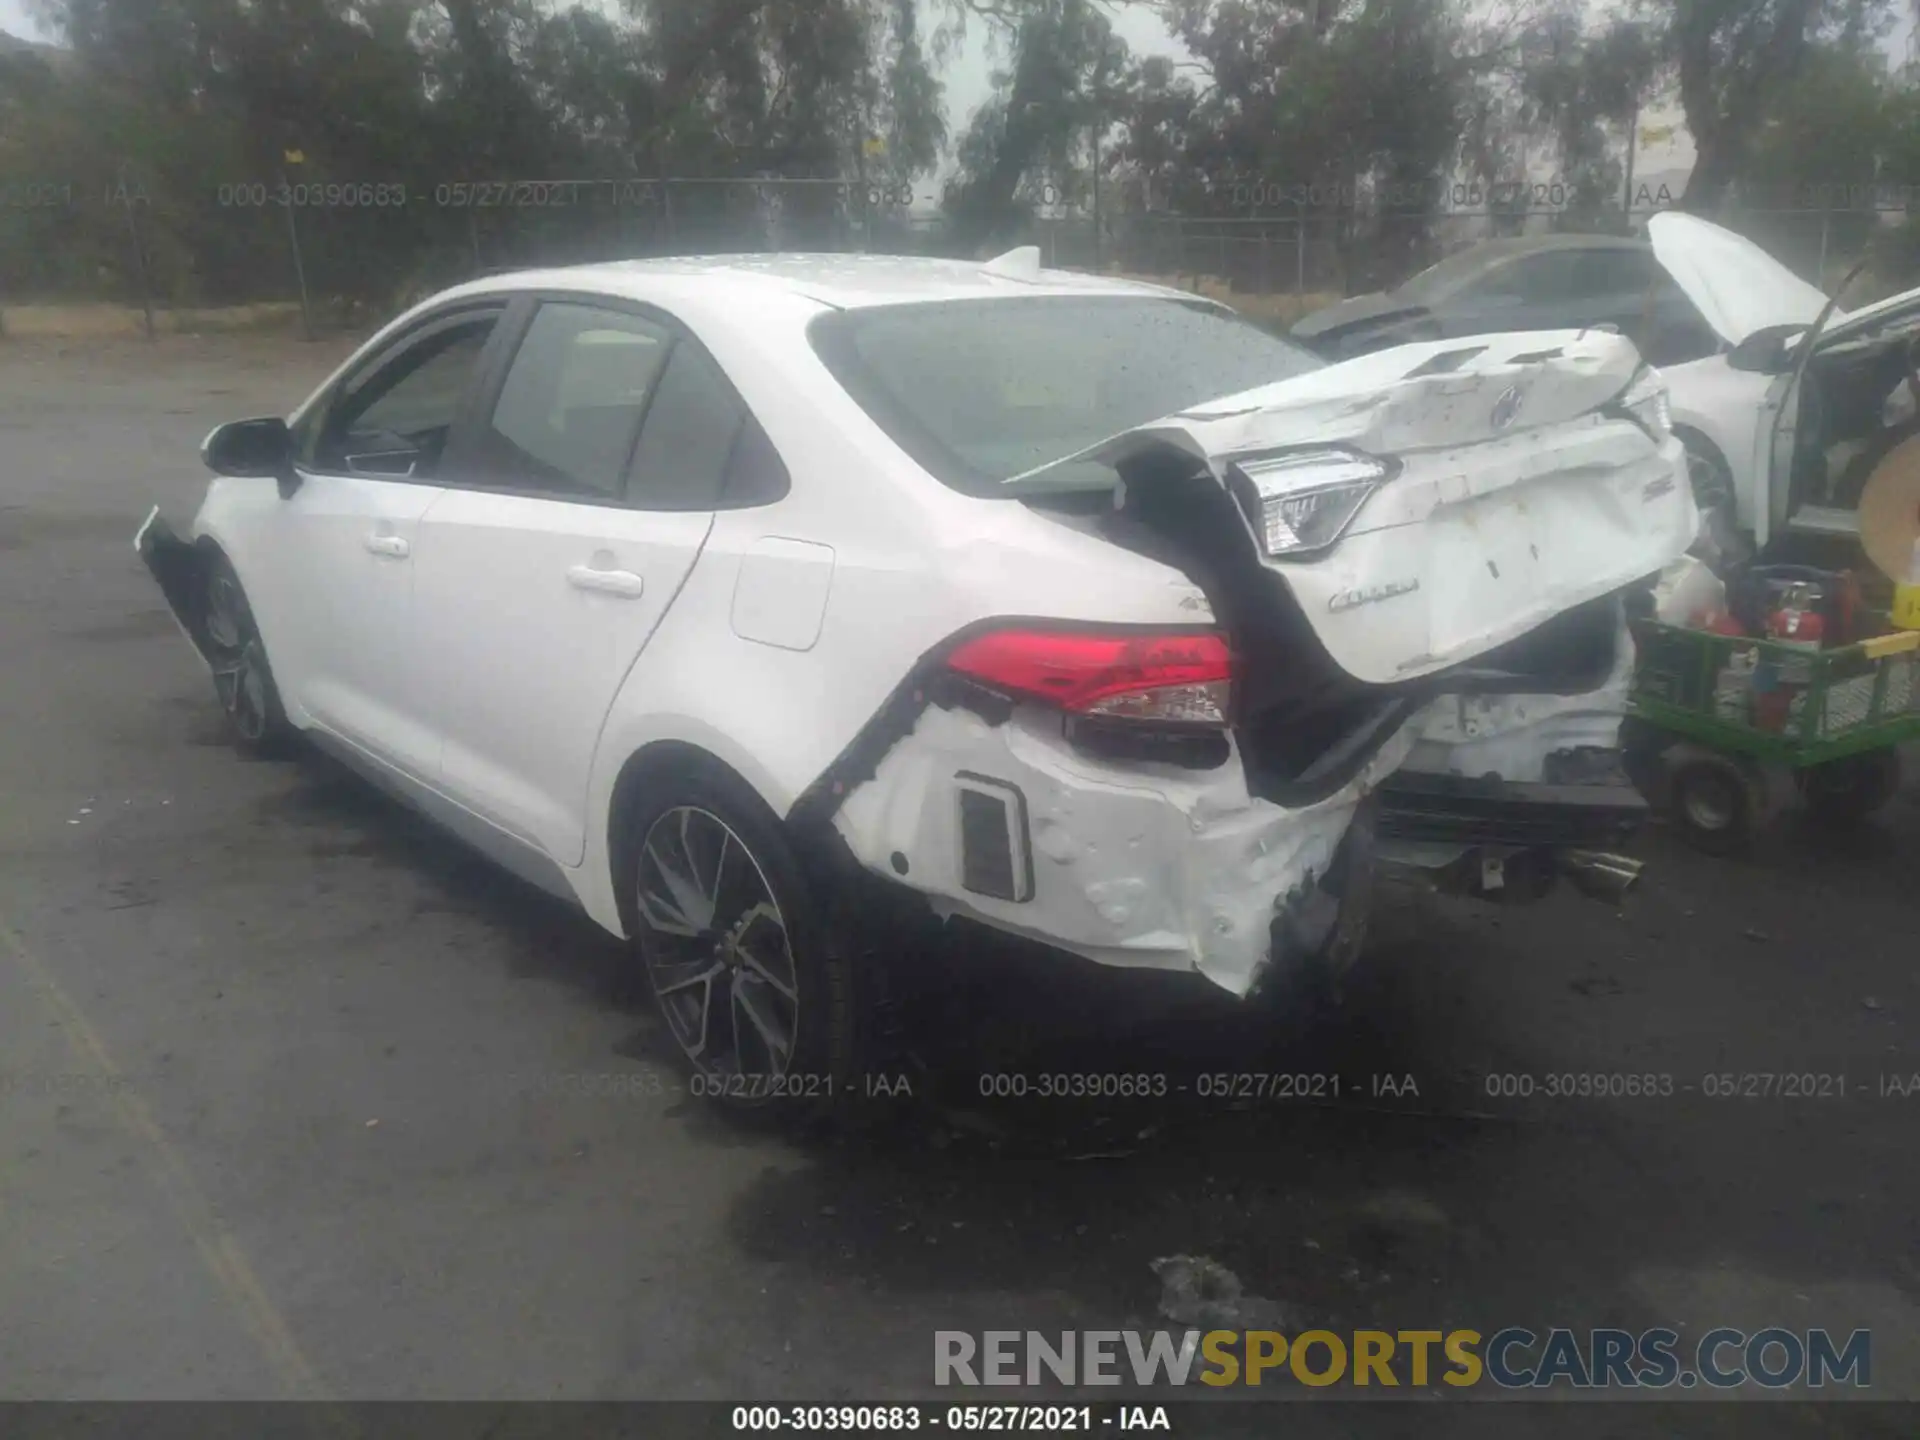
707,593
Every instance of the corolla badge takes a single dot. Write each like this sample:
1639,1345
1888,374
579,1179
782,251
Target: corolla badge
1507,408
1370,594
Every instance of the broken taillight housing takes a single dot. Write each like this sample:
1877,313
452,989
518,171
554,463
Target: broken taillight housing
1647,403
1163,677
1309,497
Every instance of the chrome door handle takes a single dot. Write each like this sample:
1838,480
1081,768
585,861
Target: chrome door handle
388,545
623,583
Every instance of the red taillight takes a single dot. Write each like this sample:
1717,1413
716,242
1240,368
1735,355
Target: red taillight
1182,677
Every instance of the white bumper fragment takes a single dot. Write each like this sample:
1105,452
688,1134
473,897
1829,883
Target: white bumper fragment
1138,865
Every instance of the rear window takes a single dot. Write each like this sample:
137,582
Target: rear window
979,391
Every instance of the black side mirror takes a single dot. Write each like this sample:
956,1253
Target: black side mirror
252,449
1764,352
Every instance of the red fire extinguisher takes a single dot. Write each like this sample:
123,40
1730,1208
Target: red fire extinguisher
1798,621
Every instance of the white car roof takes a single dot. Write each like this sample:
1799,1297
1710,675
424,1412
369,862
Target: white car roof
843,282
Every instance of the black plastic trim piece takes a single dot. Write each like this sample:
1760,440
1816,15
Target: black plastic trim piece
1002,869
1464,810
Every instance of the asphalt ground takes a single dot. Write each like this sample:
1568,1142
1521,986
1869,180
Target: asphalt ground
302,1100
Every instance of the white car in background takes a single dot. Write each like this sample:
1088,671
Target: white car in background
1786,422
706,592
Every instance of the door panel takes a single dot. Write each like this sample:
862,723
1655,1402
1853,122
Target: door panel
533,610
541,582
358,675
369,462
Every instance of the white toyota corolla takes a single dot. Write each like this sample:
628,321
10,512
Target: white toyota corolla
706,592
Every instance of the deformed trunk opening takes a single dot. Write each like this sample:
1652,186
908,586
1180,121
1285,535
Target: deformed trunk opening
1305,726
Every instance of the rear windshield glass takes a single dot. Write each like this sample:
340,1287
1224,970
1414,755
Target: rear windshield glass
979,391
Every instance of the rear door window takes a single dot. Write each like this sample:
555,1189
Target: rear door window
569,409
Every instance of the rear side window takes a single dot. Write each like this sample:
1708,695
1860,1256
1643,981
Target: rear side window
570,406
691,428
979,391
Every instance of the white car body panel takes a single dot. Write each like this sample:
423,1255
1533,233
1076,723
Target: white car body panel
1738,288
1750,418
521,752
1482,536
769,637
1168,869
1725,407
345,579
1513,735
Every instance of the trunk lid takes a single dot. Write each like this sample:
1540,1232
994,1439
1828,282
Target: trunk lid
1738,288
1512,494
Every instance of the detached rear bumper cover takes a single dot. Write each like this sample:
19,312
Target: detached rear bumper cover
177,567
1141,866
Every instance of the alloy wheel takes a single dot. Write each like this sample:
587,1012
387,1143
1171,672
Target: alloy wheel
239,667
716,946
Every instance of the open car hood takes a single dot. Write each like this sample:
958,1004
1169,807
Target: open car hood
1508,487
1738,288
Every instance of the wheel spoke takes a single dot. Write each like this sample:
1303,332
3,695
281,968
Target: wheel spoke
772,1039
759,968
685,991
761,926
719,871
673,977
687,910
663,915
700,1042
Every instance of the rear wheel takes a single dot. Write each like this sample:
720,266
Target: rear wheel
757,998
1842,791
242,678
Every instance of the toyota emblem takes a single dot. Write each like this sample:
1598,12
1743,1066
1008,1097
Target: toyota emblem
1506,408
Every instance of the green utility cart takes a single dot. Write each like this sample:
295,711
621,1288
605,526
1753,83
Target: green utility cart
1722,728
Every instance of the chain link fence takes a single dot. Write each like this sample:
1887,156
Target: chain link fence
335,254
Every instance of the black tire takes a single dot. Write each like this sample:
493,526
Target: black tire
1714,804
242,677
717,976
1844,791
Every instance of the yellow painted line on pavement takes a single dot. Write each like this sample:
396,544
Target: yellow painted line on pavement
219,1251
